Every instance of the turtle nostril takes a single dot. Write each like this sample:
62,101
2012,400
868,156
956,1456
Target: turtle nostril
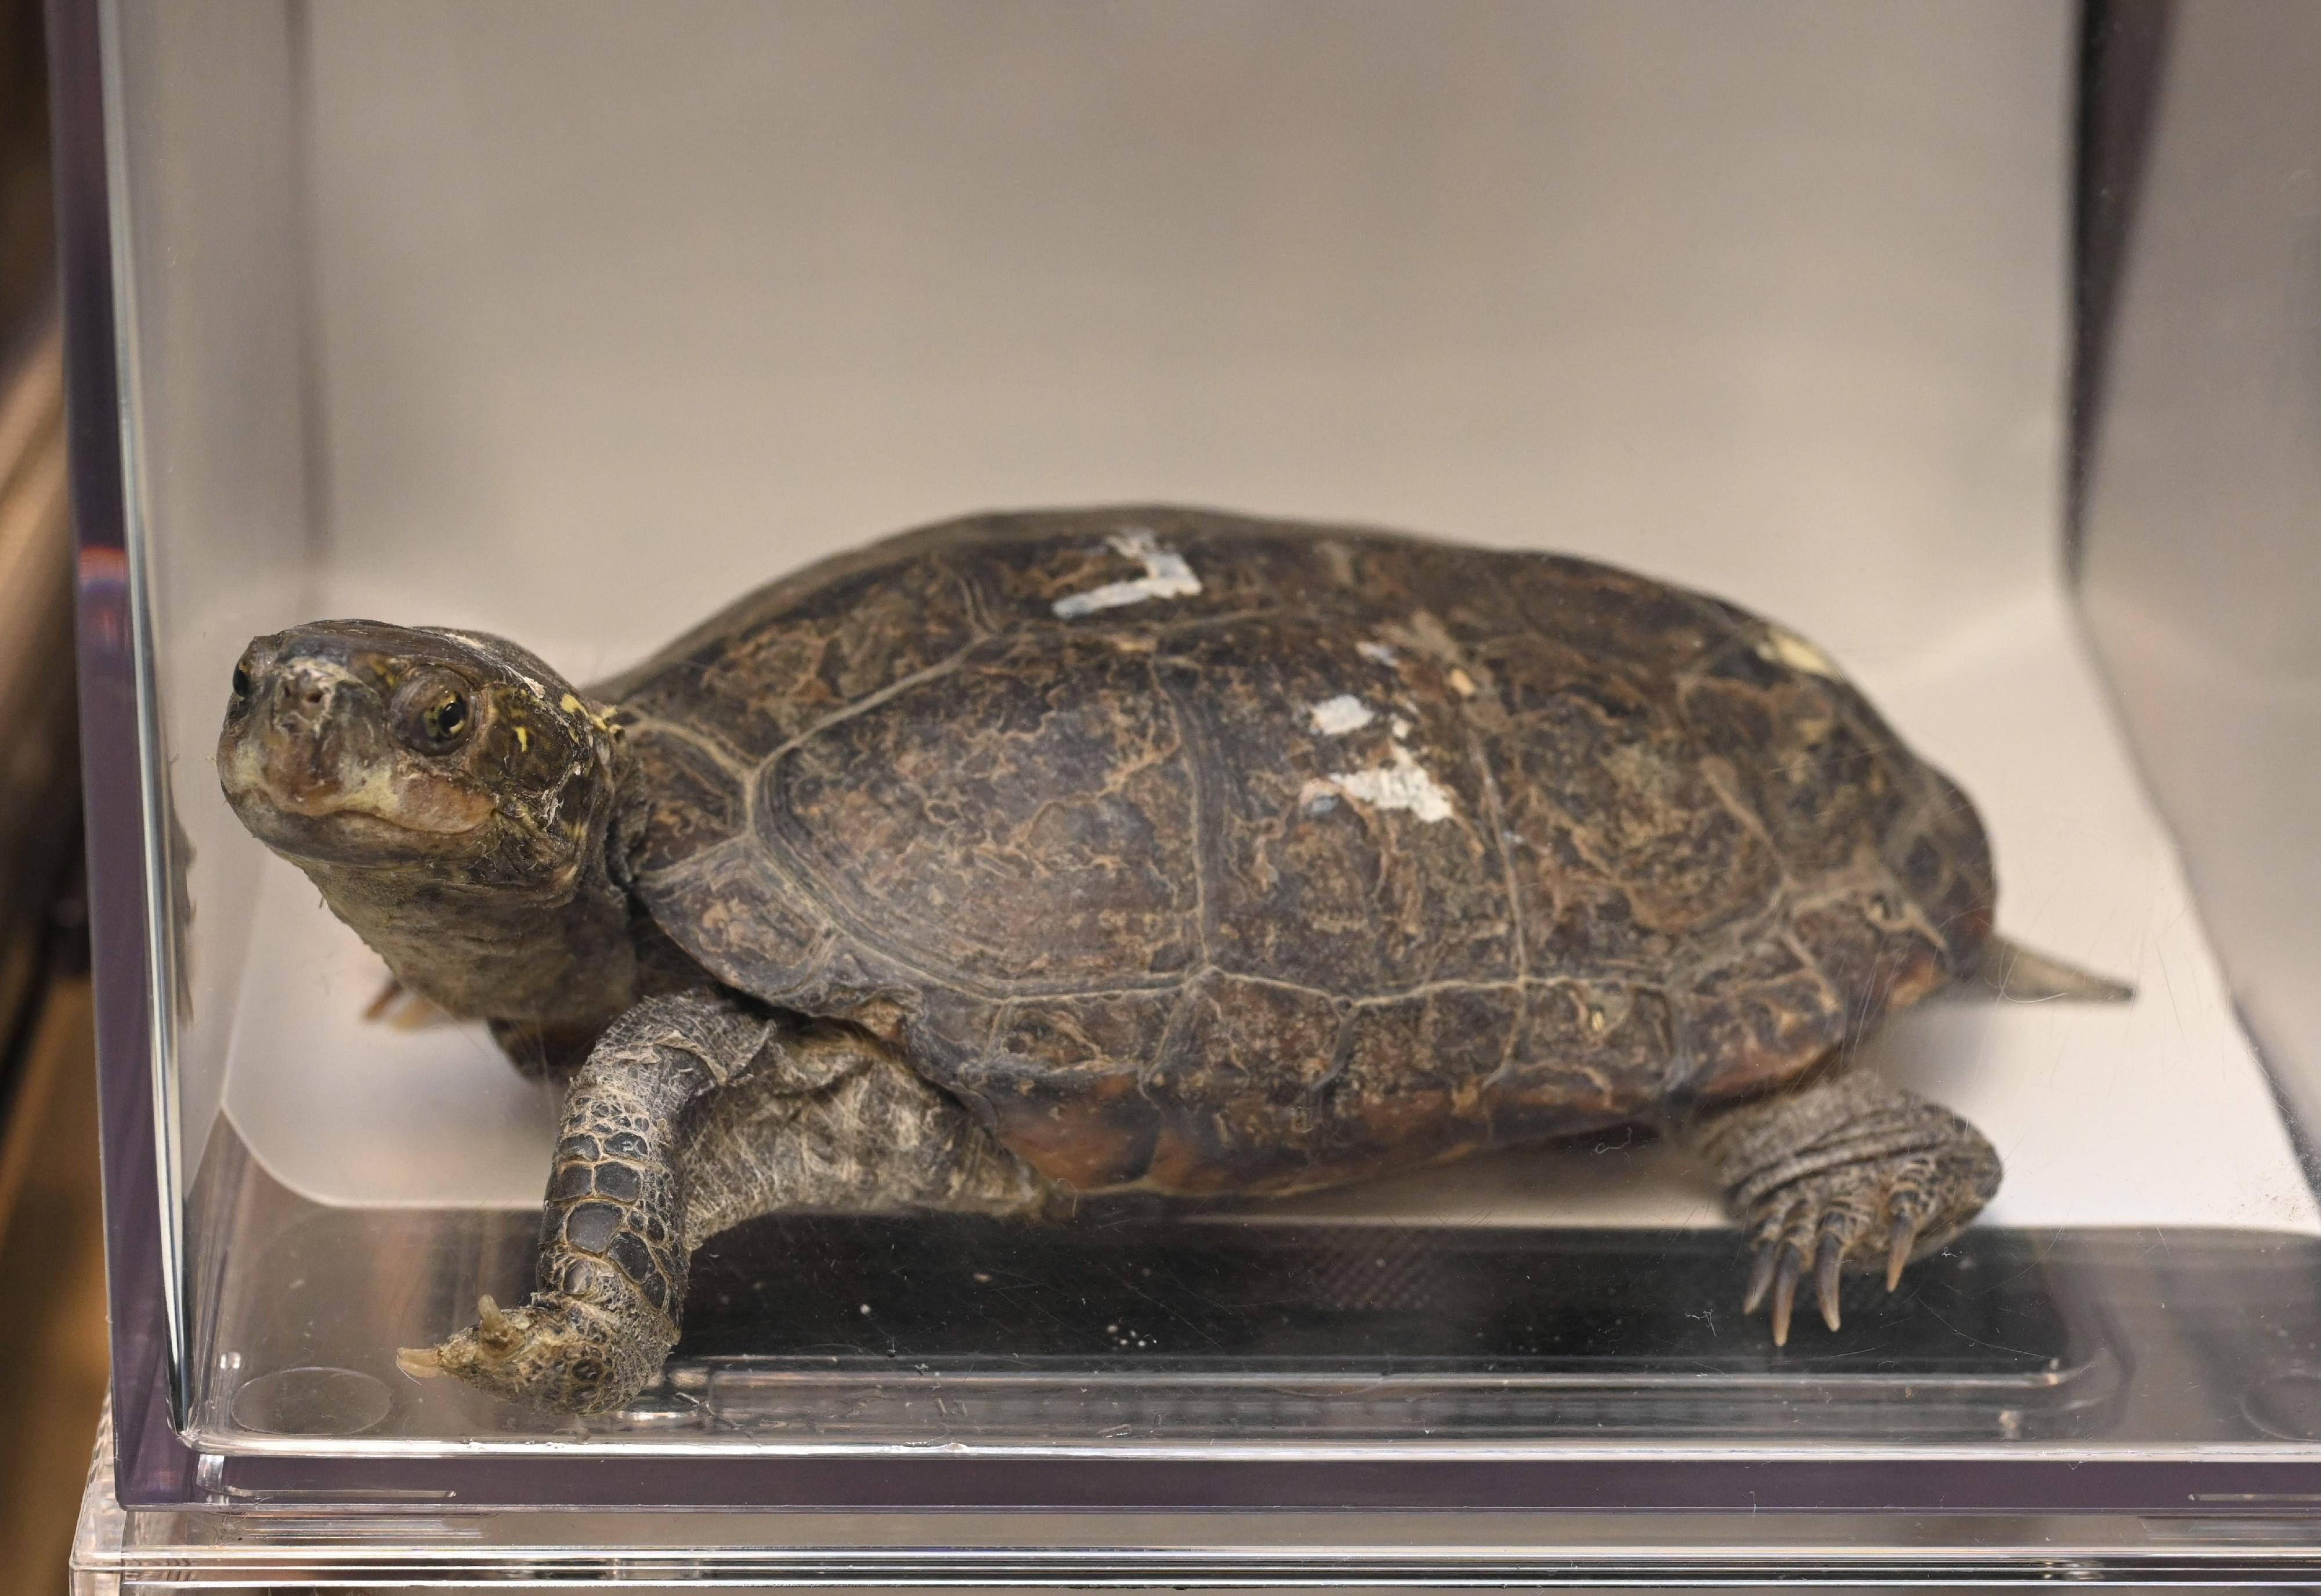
304,696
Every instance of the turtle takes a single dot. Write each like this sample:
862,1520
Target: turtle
1030,858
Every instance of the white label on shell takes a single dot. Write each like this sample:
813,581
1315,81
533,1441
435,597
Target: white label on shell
1166,576
1336,717
1404,785
1794,652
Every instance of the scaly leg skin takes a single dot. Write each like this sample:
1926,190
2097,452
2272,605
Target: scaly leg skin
845,1125
692,1114
1847,1173
611,1280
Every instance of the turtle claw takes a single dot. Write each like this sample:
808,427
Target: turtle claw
1785,1294
556,1351
1868,1215
1779,1268
1825,1269
1846,1176
1898,1249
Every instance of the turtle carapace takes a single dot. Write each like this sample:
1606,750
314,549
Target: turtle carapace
1029,856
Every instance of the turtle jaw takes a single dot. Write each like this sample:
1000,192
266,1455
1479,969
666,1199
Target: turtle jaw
344,837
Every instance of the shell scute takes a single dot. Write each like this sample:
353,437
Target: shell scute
1647,628
694,801
1412,1074
1746,1018
1875,950
1349,829
1234,1086
1618,834
1027,817
751,928
1143,567
1062,1084
768,672
1942,860
1587,1054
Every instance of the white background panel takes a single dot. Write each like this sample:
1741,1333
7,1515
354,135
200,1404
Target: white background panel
618,317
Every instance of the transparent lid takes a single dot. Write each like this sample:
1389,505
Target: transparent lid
575,335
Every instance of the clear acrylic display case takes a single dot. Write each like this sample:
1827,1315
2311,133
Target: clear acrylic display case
575,322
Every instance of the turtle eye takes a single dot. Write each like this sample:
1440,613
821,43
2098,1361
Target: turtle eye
444,721
241,684
434,711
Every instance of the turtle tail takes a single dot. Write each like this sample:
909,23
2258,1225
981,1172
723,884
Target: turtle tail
2016,974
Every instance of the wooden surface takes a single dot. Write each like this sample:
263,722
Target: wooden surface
36,633
52,1330
52,1337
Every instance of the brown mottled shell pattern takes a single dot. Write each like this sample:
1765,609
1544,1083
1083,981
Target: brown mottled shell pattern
1208,854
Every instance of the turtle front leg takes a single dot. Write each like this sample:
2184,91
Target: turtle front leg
610,1289
1847,1173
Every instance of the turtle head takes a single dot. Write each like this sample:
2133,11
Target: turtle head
356,743
449,794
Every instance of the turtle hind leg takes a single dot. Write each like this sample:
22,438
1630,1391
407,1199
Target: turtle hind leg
1848,1173
845,1125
